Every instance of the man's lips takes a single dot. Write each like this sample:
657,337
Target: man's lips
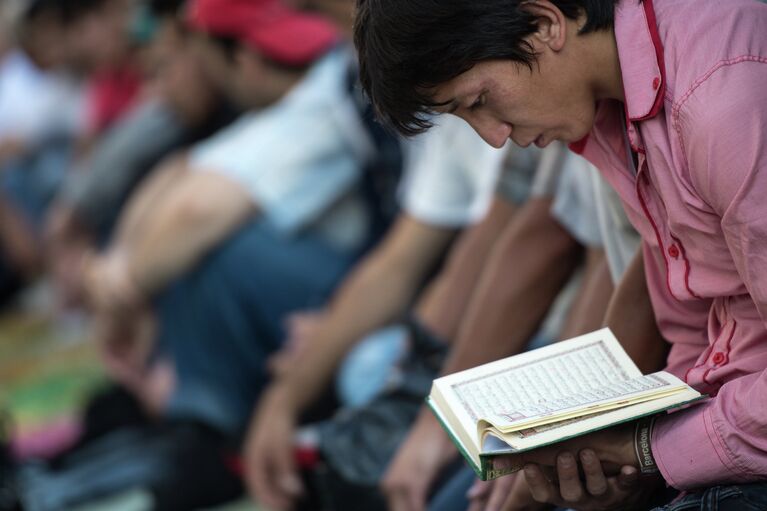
540,141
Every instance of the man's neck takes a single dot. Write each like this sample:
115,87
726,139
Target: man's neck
281,83
607,78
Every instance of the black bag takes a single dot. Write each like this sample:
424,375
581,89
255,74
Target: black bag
8,485
357,445
180,466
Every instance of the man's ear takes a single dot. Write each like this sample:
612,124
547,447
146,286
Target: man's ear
552,25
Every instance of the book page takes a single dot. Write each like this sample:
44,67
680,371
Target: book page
548,380
583,375
614,395
542,435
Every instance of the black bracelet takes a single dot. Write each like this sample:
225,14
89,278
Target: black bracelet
642,437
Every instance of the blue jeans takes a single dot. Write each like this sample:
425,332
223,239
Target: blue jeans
744,497
30,183
220,323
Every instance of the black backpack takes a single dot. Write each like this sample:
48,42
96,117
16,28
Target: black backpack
383,171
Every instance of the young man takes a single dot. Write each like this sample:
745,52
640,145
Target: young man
523,273
448,183
184,107
674,118
257,221
41,116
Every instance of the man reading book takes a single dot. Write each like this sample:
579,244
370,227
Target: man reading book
667,99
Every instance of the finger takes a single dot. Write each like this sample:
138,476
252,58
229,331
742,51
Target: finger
512,463
519,497
570,486
500,492
596,482
480,490
628,478
617,497
287,475
261,482
540,488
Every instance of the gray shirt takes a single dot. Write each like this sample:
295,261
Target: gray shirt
98,188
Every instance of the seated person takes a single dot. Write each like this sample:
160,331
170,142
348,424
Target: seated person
41,115
532,240
184,106
103,46
677,129
621,244
259,220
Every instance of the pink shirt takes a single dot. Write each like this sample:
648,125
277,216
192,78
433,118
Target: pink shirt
695,80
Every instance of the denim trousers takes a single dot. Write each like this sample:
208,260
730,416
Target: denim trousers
29,184
221,322
743,497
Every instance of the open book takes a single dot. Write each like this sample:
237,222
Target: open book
546,396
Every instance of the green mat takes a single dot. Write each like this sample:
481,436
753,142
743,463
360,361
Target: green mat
46,372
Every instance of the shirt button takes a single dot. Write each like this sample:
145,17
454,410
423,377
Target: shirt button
718,358
673,251
656,83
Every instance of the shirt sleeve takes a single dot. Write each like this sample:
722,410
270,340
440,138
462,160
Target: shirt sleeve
726,145
294,164
120,161
450,176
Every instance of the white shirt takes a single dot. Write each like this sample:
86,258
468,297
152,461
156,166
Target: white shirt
34,104
300,158
450,175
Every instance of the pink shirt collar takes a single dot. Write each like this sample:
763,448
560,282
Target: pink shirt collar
641,58
643,70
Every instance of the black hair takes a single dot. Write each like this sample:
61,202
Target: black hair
166,8
40,8
73,10
407,47
65,11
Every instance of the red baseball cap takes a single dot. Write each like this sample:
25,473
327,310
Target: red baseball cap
283,34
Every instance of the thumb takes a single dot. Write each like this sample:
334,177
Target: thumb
628,477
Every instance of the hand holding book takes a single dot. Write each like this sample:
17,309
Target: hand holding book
595,471
613,447
589,488
503,414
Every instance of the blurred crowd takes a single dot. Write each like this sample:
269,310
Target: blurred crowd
273,279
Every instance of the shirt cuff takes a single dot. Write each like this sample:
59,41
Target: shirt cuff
688,451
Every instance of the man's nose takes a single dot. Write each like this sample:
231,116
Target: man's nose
494,132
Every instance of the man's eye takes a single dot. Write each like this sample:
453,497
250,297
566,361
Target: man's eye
478,102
